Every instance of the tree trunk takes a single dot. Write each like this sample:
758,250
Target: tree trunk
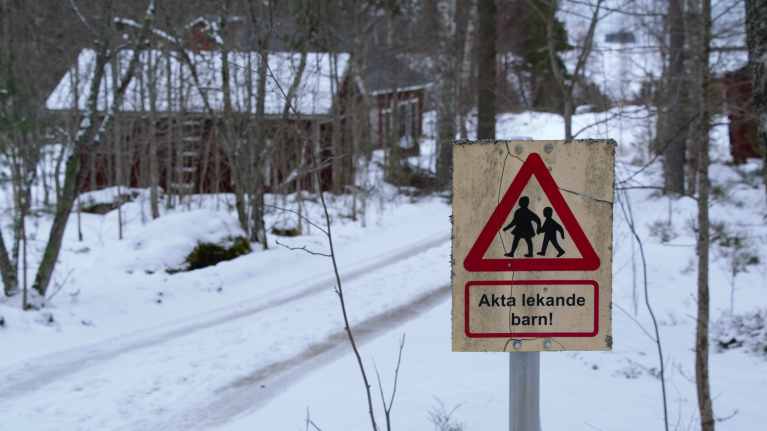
445,75
237,161
673,136
89,132
464,43
257,199
567,116
486,79
7,270
690,97
336,137
756,28
394,155
154,166
117,154
701,338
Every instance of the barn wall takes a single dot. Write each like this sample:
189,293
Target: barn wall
192,157
743,125
385,101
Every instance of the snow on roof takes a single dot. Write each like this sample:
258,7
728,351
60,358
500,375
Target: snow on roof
166,75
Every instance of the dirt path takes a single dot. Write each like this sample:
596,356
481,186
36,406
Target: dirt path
34,374
253,391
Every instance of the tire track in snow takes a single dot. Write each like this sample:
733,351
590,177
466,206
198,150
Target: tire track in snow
249,393
38,372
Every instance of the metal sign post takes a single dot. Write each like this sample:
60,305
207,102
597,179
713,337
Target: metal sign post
532,255
524,391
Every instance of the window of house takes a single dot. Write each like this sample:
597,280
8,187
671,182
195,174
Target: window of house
407,122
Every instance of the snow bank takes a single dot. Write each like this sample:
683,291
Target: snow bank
165,242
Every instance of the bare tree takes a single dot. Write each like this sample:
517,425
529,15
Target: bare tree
702,382
567,82
445,78
672,112
260,17
20,138
91,130
152,67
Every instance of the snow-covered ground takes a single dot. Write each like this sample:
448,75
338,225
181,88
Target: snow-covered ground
617,390
254,342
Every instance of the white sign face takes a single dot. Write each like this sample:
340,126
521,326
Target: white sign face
532,245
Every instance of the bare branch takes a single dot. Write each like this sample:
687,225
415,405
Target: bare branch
310,422
303,217
396,373
347,326
628,215
82,18
588,43
302,248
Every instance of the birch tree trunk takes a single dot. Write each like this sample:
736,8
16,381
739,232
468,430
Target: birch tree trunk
703,385
154,166
257,199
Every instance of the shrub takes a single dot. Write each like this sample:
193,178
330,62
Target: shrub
286,230
208,254
747,330
442,418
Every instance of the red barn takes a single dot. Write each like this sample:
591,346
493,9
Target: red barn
743,122
166,109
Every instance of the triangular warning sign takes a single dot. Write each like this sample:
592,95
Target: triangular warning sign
533,166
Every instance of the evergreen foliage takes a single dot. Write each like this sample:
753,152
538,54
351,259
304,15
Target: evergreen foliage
208,254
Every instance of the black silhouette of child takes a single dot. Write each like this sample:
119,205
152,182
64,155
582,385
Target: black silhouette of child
550,229
523,227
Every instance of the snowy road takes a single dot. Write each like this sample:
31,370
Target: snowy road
151,377
251,392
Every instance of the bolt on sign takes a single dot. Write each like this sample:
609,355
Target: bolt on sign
532,245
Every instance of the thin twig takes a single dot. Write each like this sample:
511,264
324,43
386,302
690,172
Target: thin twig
60,285
628,215
302,248
79,14
634,319
310,422
347,326
303,217
388,406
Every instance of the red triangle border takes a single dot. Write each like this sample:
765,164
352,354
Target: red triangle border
533,166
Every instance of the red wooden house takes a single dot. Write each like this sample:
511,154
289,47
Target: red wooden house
168,112
743,123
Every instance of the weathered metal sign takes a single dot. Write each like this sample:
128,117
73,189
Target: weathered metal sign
532,245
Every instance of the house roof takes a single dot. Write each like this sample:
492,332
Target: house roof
387,74
176,91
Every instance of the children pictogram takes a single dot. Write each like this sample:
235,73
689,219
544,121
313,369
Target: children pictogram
549,230
523,227
526,226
